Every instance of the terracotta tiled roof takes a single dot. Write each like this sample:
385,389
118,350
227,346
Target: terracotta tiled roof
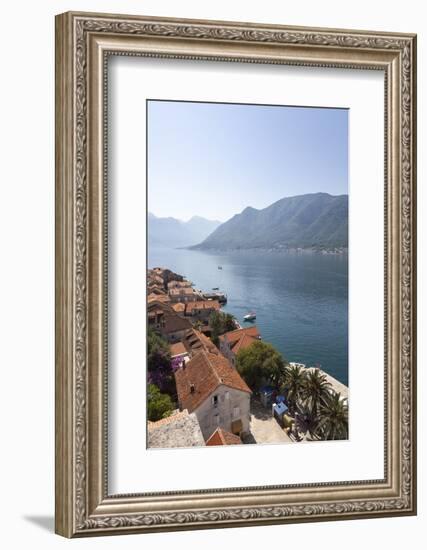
241,338
159,305
222,437
174,323
152,297
207,342
195,341
205,304
156,290
200,377
235,335
179,284
186,291
177,349
171,321
244,342
179,307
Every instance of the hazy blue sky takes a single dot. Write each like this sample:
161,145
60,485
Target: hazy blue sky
214,160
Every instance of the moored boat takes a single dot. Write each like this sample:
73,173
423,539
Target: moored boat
250,316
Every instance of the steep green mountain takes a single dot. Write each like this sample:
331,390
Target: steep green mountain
317,220
173,233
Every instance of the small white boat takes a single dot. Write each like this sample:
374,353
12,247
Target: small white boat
250,316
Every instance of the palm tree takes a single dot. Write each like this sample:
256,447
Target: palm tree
293,384
316,391
306,422
333,418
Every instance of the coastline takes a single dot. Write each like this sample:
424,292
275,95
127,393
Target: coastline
338,251
282,306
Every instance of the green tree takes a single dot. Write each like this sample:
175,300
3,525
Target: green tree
159,363
215,324
158,353
260,363
305,422
220,323
333,418
229,322
316,389
293,384
160,405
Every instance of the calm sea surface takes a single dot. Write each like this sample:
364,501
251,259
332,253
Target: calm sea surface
300,299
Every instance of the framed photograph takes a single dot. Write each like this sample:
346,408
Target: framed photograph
235,274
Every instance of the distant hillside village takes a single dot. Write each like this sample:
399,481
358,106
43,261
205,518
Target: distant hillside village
212,382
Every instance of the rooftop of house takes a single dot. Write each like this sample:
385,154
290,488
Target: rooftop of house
202,304
179,284
177,349
171,321
184,291
244,342
202,375
154,279
158,306
179,307
195,340
157,289
175,323
235,335
241,338
152,297
179,430
222,437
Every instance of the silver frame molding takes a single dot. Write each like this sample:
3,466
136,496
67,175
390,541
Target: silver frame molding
83,43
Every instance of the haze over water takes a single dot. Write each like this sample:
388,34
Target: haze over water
300,299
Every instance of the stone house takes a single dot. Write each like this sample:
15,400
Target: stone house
201,310
208,386
163,319
185,294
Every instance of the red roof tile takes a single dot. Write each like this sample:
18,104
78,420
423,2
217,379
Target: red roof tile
204,373
177,349
241,338
222,437
244,342
235,335
206,304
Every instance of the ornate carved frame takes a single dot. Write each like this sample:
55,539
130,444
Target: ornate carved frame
83,42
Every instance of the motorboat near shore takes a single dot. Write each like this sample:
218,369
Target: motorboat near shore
250,316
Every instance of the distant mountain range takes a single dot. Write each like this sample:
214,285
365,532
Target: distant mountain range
174,233
317,220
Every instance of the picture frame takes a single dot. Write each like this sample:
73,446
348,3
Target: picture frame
84,42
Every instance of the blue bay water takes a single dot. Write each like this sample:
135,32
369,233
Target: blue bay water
300,299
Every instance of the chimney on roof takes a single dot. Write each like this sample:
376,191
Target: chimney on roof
192,388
